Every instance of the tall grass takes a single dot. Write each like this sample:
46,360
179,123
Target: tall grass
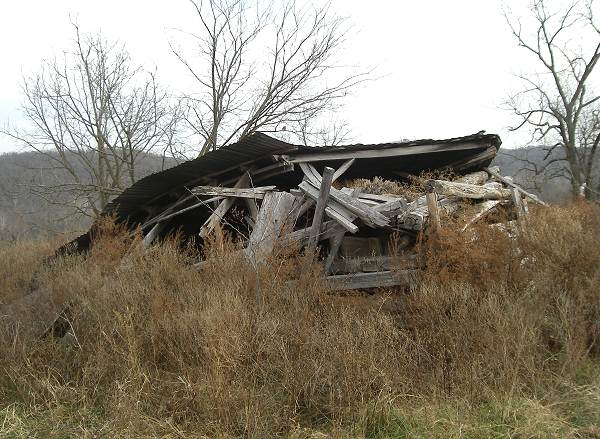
499,339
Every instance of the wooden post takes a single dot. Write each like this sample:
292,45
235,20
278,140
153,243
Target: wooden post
320,209
518,205
434,211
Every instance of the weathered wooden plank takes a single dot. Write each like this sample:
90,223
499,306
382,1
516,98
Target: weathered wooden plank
334,245
328,229
151,235
479,178
274,216
518,205
378,197
488,191
218,214
416,214
254,193
320,208
342,169
333,209
434,211
367,214
379,279
335,241
372,264
508,182
392,208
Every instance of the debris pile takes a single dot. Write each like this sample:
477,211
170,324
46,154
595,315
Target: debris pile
269,193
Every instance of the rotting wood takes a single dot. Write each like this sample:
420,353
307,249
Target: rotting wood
372,264
151,235
367,214
342,169
217,215
333,209
254,193
317,221
417,213
379,279
466,190
273,218
392,208
434,211
335,242
518,205
484,209
508,182
479,177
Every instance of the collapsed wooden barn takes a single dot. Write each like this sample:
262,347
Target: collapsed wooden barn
267,192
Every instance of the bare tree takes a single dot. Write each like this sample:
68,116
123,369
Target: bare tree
262,67
558,104
93,114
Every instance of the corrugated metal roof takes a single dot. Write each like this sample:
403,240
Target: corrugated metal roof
251,149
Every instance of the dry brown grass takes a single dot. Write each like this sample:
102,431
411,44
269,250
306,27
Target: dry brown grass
500,337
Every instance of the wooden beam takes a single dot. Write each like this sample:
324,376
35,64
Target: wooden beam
378,279
367,214
508,182
400,150
373,263
218,214
335,242
392,208
490,191
518,205
416,214
434,211
255,192
333,209
320,209
340,171
151,235
160,219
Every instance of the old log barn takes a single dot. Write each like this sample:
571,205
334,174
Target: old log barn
339,200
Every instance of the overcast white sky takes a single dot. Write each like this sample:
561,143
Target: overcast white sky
444,66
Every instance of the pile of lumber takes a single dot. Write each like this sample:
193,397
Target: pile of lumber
350,230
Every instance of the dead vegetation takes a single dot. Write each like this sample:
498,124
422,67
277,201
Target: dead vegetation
499,339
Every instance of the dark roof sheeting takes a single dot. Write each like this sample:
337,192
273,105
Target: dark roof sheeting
248,150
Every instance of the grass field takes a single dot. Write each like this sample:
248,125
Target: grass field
500,339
